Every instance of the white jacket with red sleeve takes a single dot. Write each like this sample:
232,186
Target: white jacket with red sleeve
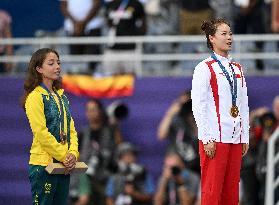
212,101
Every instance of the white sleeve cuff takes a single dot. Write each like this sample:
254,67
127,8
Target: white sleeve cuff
209,140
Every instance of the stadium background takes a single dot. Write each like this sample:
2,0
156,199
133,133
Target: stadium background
151,98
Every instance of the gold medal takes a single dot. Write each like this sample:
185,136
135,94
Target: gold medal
234,111
63,138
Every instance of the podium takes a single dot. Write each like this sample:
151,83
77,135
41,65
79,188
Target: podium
59,168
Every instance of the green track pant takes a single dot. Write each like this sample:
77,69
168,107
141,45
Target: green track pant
48,189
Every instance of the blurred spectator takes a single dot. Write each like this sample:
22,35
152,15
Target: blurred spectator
267,15
125,18
249,19
272,19
222,9
250,183
131,184
163,19
82,18
253,172
275,106
256,127
5,32
98,143
275,16
179,127
192,14
269,124
177,184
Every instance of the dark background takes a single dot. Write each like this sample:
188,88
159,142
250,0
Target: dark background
31,15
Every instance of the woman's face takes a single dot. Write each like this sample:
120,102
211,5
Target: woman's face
92,111
50,68
222,39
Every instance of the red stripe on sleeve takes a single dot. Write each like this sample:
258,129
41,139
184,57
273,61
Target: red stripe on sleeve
214,87
240,69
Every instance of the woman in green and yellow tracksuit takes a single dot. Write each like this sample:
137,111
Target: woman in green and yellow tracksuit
54,134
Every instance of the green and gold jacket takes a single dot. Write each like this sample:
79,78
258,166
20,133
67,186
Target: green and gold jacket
43,113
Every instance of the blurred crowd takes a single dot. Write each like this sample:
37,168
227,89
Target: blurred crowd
115,176
151,17
178,125
5,32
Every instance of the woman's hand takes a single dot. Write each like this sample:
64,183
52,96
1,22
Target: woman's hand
210,149
245,148
166,172
69,162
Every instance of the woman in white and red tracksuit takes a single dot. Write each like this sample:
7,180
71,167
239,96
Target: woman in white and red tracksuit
220,107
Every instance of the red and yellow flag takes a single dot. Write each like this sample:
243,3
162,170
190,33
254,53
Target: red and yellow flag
104,87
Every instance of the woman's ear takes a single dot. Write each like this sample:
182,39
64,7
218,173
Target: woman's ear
39,69
211,38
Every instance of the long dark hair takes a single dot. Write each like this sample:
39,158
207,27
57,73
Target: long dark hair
210,27
33,77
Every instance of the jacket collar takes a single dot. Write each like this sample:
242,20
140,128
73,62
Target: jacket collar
44,92
222,58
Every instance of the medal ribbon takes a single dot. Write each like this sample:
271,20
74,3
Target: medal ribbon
60,103
233,84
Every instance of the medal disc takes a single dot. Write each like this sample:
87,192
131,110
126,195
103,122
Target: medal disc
234,111
63,138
